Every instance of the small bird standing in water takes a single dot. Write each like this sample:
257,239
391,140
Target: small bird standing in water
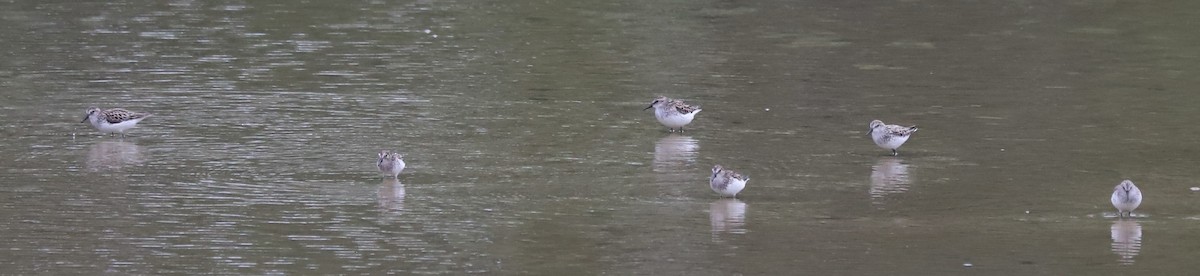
673,113
390,163
114,120
890,136
1126,197
727,183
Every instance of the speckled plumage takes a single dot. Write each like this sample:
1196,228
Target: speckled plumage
674,114
114,120
1126,197
727,183
890,136
390,163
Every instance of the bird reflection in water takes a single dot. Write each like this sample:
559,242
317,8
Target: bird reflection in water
889,176
727,215
673,152
391,195
674,161
112,155
1126,240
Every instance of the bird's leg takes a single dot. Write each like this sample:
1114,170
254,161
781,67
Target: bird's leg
895,153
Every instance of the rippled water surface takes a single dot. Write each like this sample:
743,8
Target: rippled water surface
529,153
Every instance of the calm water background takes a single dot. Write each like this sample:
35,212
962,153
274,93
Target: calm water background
529,151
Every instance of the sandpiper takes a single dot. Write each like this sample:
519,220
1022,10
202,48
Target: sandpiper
890,136
390,163
727,182
1126,197
114,120
673,113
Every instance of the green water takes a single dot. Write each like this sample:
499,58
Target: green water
529,153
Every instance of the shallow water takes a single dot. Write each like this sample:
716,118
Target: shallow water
529,153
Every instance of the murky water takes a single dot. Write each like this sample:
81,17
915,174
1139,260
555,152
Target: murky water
529,153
